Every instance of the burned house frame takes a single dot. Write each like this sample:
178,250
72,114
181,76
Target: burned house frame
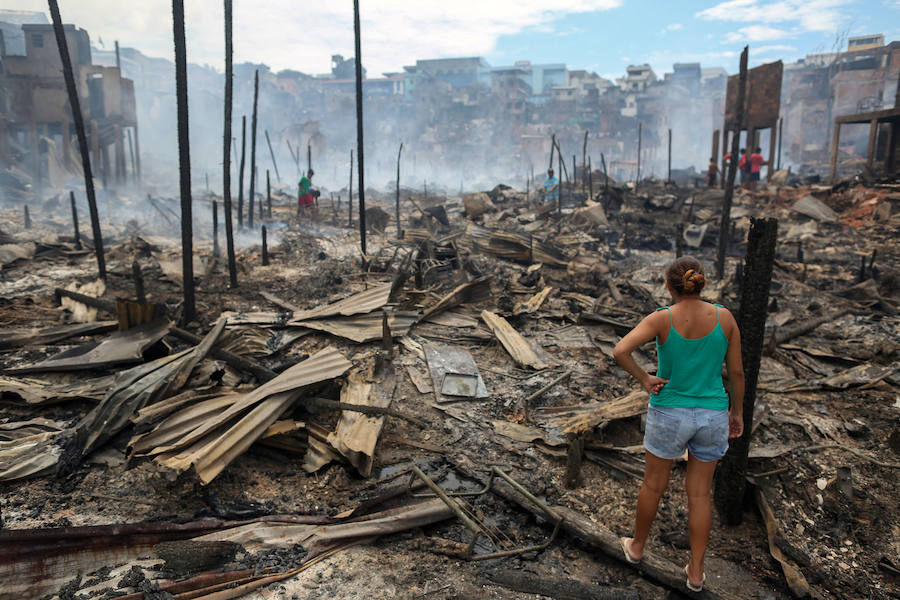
37,133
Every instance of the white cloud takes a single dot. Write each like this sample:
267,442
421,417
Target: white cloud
755,33
674,27
773,48
288,34
809,15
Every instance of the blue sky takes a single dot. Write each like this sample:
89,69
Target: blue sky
658,33
599,35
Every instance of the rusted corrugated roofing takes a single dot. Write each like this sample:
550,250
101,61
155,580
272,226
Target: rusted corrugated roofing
514,245
211,446
365,328
360,303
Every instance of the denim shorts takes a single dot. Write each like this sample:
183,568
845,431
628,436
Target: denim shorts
702,431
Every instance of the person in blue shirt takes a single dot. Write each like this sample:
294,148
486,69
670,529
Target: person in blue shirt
551,188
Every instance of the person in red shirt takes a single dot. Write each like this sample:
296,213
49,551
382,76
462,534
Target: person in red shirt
742,167
712,172
756,163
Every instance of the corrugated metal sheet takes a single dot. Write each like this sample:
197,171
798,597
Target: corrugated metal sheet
121,347
514,246
360,303
210,447
365,328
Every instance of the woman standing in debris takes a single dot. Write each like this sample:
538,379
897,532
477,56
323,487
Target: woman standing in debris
689,406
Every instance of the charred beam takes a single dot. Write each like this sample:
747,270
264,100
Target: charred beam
79,130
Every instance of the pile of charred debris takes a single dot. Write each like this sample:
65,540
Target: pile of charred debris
441,418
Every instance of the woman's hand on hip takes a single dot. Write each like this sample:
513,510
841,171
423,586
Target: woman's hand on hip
653,384
735,424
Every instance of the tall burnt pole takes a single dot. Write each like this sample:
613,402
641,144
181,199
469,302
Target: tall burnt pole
359,131
584,159
184,162
738,125
240,209
730,479
397,192
82,138
252,196
226,149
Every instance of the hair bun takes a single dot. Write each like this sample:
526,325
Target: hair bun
693,281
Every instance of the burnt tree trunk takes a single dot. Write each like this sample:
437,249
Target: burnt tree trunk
724,223
82,138
757,276
251,195
359,131
184,162
226,159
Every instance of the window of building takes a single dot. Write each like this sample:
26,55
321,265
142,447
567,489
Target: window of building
37,40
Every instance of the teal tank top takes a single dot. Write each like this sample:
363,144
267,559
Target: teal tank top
693,368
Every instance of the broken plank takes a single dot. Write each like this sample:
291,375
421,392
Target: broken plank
534,303
518,347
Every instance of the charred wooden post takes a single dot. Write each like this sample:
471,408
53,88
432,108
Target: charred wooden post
262,214
780,132
28,219
584,159
206,175
861,274
590,179
265,247
732,168
552,148
637,178
134,173
268,195
215,206
309,156
574,181
251,195
679,241
226,155
75,220
574,458
387,339
359,131
184,160
138,276
272,155
350,193
79,130
241,172
669,176
757,276
559,166
293,156
397,196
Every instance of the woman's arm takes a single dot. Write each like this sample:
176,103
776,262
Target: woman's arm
735,369
645,331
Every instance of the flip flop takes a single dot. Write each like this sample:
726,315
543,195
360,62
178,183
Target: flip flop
628,557
691,586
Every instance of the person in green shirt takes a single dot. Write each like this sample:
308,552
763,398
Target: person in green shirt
304,192
689,405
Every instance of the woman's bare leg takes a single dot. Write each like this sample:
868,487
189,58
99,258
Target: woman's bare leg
656,479
698,484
